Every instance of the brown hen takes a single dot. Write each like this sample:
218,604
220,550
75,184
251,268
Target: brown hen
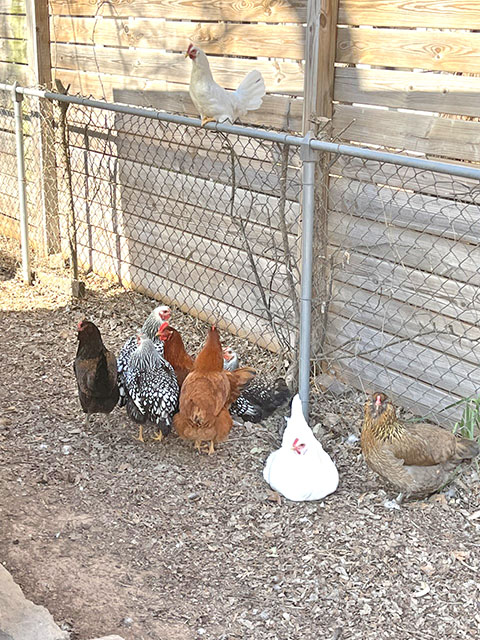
175,353
417,459
206,395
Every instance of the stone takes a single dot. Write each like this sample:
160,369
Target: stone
21,619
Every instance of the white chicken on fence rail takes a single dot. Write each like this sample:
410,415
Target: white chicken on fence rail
300,469
213,102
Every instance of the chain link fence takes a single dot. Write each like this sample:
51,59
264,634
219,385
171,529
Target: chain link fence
404,306
209,222
9,217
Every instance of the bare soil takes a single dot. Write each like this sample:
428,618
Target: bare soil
154,541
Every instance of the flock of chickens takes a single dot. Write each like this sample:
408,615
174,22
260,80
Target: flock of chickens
159,383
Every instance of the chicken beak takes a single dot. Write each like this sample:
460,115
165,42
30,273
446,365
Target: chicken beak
186,54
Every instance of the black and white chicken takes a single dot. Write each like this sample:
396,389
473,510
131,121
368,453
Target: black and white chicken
260,399
155,319
151,388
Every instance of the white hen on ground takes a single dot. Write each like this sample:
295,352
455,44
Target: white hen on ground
300,469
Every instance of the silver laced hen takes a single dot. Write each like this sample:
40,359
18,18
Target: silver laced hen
151,388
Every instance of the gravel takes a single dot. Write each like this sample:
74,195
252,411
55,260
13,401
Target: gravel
157,541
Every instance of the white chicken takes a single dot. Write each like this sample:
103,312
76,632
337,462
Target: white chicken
300,469
213,102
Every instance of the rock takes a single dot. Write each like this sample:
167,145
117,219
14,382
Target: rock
21,619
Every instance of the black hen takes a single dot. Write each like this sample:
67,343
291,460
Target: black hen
95,369
259,400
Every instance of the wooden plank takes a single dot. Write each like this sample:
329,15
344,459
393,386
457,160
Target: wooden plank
430,50
430,135
424,291
13,7
422,399
109,126
226,317
38,42
293,11
13,51
320,50
178,190
196,280
184,189
281,76
438,92
460,189
404,356
441,256
7,144
9,72
279,112
40,66
13,27
438,14
281,41
457,221
378,309
185,237
189,219
250,175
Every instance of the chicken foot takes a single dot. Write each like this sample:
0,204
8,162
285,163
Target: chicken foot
140,433
206,120
158,437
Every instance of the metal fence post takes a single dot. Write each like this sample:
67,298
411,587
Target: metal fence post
308,207
22,196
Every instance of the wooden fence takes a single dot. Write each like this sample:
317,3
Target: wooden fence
396,74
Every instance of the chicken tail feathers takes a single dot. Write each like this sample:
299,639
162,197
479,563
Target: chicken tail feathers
238,379
251,91
466,449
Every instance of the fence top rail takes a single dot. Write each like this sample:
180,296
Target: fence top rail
307,141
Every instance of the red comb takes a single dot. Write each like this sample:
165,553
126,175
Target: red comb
162,327
190,46
378,399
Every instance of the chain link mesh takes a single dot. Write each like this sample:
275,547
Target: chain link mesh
9,216
403,311
209,223
200,220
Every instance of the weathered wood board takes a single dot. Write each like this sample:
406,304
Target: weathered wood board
410,131
437,14
221,38
292,11
281,76
436,92
411,48
422,363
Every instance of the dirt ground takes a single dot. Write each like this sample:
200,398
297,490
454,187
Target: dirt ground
158,542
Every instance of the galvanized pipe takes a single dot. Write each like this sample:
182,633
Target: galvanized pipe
272,136
22,196
308,211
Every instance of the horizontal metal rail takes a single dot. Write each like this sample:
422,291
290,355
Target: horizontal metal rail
460,171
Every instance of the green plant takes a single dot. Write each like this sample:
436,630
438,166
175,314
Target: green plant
469,424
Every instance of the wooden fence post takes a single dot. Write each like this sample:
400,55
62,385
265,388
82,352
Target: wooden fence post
40,73
320,49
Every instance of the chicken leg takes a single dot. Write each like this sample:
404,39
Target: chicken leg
140,433
211,448
158,437
206,120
